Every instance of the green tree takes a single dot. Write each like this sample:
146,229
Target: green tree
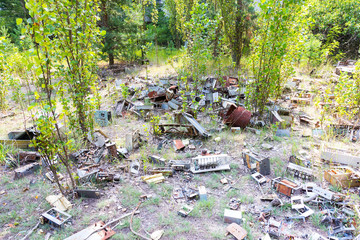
75,45
237,24
274,50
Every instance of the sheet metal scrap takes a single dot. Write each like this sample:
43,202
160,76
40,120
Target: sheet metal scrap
122,107
87,193
55,217
59,202
93,232
164,170
237,117
178,145
157,96
177,129
200,129
333,155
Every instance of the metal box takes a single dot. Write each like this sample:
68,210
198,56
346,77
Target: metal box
285,186
103,118
232,216
256,165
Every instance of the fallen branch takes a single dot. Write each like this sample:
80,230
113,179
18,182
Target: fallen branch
31,231
132,230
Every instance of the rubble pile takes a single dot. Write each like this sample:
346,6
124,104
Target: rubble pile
302,186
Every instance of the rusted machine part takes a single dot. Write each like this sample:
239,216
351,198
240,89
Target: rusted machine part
237,117
171,92
155,97
231,81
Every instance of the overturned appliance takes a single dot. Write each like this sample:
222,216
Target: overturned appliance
345,177
210,163
255,164
103,118
285,186
300,171
297,203
55,218
237,117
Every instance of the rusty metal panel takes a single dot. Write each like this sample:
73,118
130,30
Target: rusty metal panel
93,232
343,177
179,145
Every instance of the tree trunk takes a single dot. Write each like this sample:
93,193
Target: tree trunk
111,59
238,39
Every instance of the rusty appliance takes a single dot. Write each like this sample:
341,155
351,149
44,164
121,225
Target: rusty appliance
285,186
343,177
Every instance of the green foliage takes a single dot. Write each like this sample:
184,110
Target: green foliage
347,95
237,25
274,50
336,22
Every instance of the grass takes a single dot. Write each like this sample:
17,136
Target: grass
129,196
316,221
279,166
203,207
166,190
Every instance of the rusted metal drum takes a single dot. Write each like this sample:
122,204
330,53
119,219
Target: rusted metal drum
237,117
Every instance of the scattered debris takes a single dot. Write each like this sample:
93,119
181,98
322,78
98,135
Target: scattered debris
156,178
26,170
232,216
285,186
59,202
55,217
237,231
185,210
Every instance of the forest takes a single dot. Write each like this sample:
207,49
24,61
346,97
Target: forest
179,119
